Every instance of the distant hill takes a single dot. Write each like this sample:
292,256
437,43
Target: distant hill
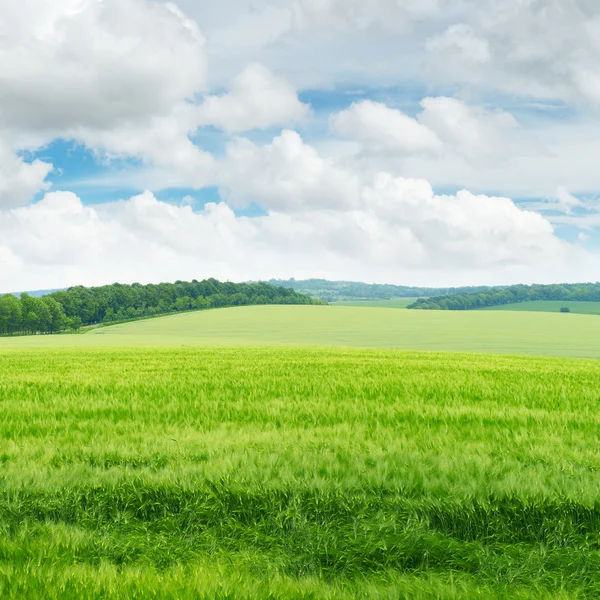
37,293
336,291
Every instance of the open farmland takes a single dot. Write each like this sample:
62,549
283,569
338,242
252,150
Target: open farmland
579,308
297,473
341,326
393,303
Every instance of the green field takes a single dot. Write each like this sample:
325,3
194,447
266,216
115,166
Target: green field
196,456
394,303
339,326
297,473
580,308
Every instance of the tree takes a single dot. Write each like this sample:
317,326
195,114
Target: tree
58,318
10,314
79,306
74,323
31,319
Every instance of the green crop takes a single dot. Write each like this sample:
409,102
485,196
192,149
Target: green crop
581,308
297,473
391,303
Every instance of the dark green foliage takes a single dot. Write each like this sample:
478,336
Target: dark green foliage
335,291
120,302
575,292
565,309
80,306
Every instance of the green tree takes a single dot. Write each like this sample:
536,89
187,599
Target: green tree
58,318
10,314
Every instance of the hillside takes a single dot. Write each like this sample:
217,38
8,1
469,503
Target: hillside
81,306
333,326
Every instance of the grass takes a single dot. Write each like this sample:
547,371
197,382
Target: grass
297,473
393,303
580,308
340,326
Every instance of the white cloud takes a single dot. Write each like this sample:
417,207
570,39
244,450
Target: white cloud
257,100
286,175
566,200
471,131
464,228
525,48
163,145
58,230
124,77
319,42
446,126
482,148
537,49
460,40
352,15
95,63
400,231
20,180
117,76
381,129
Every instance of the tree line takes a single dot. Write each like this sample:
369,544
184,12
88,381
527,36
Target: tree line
81,306
580,292
333,291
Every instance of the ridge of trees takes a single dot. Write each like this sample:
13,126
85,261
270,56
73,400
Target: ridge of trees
580,292
334,291
80,306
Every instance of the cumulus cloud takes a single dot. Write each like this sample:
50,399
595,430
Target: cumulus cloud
162,144
472,131
464,228
20,180
522,47
117,76
399,226
525,48
286,175
257,100
126,79
381,129
96,64
447,134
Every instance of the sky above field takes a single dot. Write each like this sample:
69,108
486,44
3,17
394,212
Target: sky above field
436,142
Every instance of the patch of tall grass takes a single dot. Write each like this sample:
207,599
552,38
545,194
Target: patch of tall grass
297,473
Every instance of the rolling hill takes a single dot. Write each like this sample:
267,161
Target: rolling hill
504,332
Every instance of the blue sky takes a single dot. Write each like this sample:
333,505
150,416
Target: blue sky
430,142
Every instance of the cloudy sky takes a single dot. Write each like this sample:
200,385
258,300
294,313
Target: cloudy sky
438,142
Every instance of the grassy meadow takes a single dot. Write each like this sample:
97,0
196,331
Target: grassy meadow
505,332
297,473
551,306
294,452
579,308
393,303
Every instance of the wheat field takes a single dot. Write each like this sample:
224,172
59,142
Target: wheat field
297,473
